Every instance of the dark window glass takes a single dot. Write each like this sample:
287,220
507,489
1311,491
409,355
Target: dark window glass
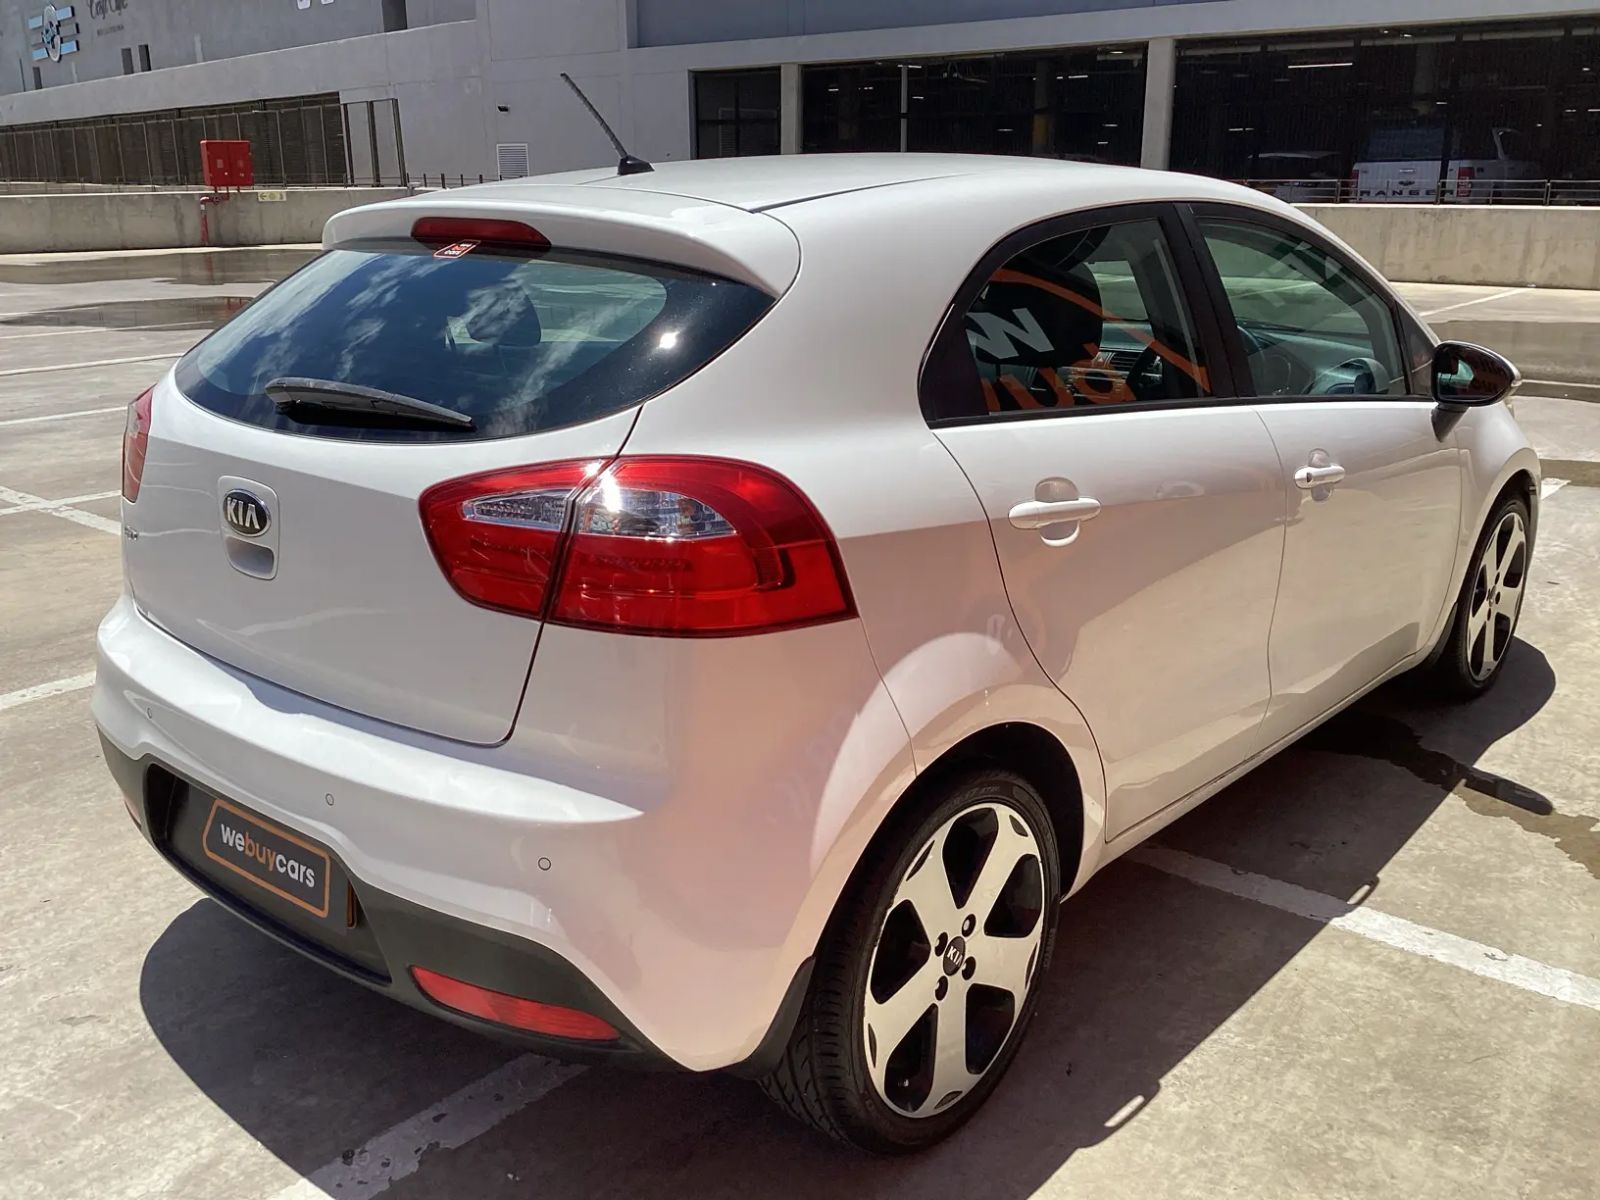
1094,317
851,106
127,60
736,113
1084,103
520,343
1517,102
144,56
1309,326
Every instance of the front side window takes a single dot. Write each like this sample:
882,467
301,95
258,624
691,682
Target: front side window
1309,326
1089,318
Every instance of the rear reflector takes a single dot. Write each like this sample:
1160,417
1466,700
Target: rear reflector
135,444
515,1011
447,230
677,546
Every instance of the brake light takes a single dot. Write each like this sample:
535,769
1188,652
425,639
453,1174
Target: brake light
497,536
516,1011
448,230
1464,178
677,546
135,444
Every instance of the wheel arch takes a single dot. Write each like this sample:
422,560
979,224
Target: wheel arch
1030,750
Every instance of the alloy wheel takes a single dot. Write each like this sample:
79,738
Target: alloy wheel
1496,595
954,960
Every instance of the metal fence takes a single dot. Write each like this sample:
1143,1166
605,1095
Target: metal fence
1442,191
307,141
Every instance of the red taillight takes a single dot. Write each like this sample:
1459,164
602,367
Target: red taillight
497,536
135,443
679,546
446,230
516,1011
1464,178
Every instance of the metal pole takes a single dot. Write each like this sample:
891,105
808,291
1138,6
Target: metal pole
283,159
349,155
905,103
399,142
149,165
322,128
372,140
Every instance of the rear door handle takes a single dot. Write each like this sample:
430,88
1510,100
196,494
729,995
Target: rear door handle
1315,477
1036,514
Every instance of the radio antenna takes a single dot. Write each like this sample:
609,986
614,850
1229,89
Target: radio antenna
627,164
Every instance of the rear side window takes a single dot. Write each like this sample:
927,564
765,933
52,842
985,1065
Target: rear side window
1090,318
519,341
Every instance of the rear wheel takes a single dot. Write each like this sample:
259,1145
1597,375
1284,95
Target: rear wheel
929,972
1486,612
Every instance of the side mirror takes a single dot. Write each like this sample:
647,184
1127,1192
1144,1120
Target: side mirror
1465,375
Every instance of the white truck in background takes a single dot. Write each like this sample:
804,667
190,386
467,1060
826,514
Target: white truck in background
1401,162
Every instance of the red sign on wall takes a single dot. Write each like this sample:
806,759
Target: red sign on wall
226,164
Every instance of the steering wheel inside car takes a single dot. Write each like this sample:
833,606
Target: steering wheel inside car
1357,376
1147,378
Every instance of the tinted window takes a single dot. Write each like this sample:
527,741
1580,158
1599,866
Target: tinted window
518,342
1309,326
1093,317
736,113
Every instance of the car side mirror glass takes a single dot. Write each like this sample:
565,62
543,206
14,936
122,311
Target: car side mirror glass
1464,374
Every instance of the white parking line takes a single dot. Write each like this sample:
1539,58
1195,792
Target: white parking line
1550,487
1434,312
454,1121
59,508
47,505
1487,961
81,412
44,333
101,362
40,691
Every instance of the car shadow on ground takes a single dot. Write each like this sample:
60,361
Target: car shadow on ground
1144,974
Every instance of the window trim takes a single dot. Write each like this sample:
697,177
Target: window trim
1192,212
947,379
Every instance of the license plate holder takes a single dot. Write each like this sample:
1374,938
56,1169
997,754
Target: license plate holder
269,856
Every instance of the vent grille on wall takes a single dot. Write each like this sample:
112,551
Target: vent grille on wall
512,159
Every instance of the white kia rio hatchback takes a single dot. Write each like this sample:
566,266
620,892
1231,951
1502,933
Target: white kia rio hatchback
712,615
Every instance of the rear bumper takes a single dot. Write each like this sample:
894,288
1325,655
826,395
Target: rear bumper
666,866
393,935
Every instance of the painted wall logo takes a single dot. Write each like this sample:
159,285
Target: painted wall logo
54,32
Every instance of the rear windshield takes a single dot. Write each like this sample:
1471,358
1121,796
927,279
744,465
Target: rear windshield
518,341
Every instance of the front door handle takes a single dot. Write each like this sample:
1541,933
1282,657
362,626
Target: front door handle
1036,514
1310,478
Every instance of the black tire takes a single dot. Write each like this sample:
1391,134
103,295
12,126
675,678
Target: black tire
1458,672
823,1077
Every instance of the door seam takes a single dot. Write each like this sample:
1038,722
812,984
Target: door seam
1283,556
1005,590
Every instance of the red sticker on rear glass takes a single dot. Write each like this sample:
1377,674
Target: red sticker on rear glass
455,250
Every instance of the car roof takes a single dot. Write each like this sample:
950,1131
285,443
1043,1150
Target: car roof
760,182
741,217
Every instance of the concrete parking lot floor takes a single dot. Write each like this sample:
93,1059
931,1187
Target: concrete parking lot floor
1369,969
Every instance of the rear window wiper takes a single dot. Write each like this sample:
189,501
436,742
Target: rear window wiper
293,394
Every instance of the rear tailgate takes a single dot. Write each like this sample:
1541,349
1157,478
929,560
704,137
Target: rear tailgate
288,542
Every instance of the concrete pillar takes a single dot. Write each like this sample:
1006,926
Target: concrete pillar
789,108
1160,71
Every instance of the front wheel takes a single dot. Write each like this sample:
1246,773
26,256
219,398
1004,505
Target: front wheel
929,972
1486,612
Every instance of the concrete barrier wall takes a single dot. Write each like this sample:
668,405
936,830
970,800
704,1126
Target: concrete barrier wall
37,224
1447,243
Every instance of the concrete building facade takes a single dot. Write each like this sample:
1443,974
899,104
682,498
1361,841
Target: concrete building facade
477,82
